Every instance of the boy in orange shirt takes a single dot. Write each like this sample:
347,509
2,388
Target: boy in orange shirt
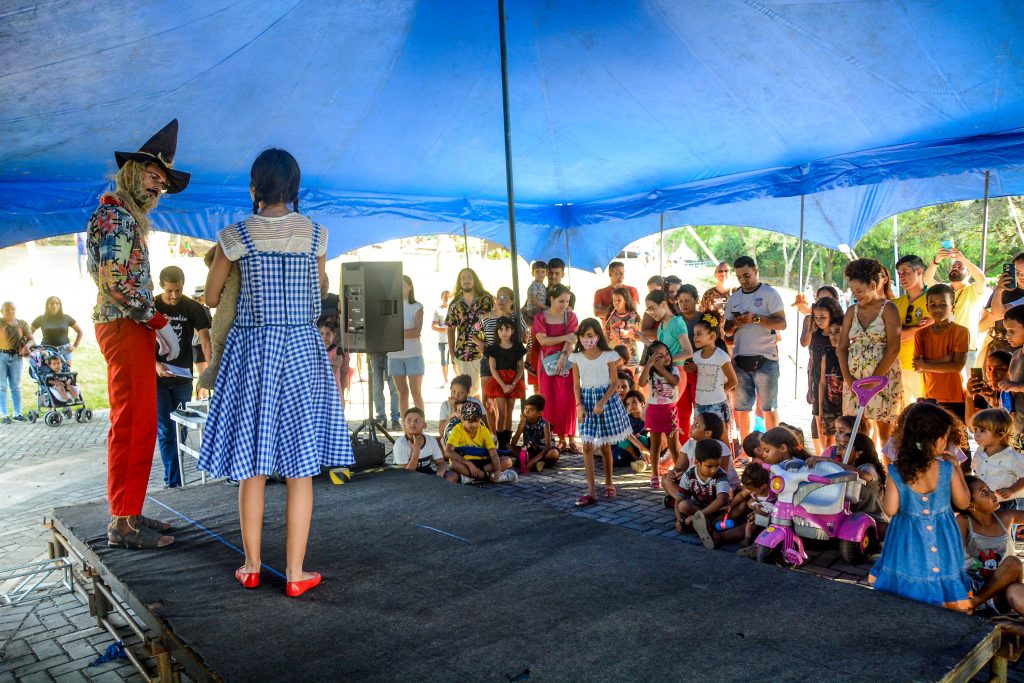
940,351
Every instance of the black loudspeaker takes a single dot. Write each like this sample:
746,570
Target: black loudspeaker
369,453
371,295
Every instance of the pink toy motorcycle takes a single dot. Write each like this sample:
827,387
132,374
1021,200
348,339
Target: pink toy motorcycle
815,503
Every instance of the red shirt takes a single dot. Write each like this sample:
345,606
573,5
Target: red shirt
603,297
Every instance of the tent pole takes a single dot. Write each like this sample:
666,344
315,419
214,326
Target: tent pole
895,250
465,243
509,188
984,227
800,289
568,259
661,239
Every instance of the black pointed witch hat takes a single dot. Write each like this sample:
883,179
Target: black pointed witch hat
159,150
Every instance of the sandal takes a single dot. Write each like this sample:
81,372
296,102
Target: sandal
139,538
585,500
655,482
154,524
610,492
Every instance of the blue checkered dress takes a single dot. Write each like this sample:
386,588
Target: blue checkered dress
611,426
275,406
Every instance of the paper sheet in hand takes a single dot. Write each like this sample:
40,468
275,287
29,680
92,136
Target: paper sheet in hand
178,372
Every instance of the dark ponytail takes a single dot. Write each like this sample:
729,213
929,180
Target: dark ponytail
275,178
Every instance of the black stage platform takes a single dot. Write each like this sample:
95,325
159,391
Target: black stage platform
428,581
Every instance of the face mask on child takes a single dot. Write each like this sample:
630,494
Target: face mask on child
588,343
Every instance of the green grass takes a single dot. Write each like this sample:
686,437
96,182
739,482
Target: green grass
92,378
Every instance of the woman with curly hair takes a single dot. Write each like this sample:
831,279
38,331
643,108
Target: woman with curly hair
869,345
923,557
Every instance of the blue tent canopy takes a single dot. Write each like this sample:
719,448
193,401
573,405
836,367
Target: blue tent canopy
710,111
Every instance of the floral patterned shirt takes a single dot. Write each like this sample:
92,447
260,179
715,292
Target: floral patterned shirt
118,261
464,318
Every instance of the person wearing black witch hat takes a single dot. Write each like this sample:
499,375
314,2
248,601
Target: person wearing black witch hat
129,329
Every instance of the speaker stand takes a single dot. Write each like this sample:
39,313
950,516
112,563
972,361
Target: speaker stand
370,424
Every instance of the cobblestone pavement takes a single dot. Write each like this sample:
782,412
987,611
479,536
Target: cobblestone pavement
56,639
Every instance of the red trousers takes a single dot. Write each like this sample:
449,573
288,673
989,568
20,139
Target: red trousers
130,351
684,406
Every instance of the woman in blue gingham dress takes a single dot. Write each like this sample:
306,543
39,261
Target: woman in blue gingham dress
600,413
275,406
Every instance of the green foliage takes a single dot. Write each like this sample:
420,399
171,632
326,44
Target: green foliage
921,232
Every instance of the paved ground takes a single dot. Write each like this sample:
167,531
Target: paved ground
56,639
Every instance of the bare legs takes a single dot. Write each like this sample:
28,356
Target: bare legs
298,515
589,466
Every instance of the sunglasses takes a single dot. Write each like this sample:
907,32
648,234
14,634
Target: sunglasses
910,315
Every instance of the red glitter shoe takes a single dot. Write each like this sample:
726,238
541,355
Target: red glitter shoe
247,579
294,589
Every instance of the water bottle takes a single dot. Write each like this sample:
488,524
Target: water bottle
1006,400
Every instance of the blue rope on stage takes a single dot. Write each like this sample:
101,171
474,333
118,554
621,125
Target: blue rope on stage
217,536
424,526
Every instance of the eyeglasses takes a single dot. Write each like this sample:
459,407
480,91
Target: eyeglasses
153,177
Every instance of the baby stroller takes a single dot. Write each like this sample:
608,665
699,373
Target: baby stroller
49,404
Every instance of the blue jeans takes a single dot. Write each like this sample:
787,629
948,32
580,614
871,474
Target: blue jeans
762,383
168,398
10,376
379,368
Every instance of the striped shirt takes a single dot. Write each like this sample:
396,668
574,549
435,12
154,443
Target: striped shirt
291,233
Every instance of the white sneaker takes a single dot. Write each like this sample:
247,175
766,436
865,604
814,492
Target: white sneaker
463,479
508,477
639,466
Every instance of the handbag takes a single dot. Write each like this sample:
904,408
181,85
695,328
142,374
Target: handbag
550,361
550,364
749,363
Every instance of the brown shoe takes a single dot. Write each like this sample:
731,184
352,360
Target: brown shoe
137,537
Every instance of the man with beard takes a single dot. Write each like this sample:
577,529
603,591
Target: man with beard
465,313
967,302
128,327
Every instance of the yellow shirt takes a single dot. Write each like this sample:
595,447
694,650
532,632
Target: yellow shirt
920,312
461,437
967,309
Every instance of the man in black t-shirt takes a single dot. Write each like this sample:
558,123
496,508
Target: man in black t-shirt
186,317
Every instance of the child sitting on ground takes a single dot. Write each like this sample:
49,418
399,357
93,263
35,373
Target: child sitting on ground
703,493
778,445
414,450
990,556
536,434
633,450
61,384
995,461
923,556
460,387
705,426
470,449
752,447
755,498
798,434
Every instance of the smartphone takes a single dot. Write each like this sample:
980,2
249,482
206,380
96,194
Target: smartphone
1010,271
978,374
947,244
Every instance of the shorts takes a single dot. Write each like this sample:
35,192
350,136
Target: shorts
471,368
722,410
427,469
762,383
828,425
661,418
402,367
443,348
485,371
